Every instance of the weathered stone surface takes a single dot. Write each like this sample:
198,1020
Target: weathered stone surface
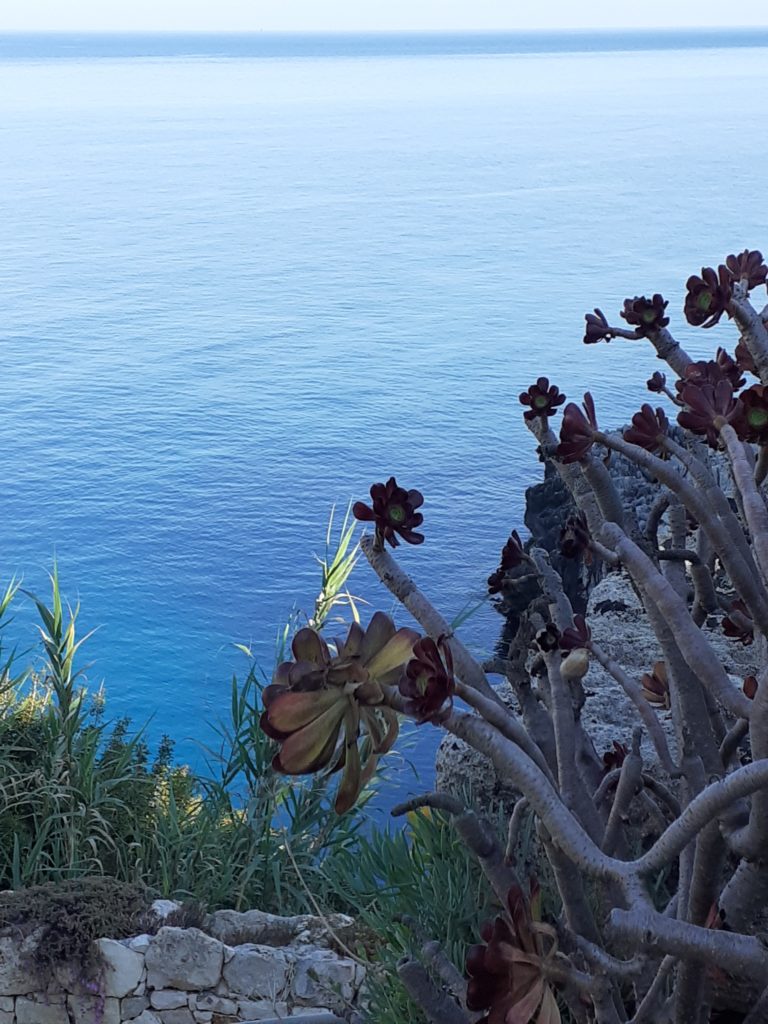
164,908
257,972
261,1009
7,1017
147,1017
182,1015
256,927
140,943
88,1009
167,999
215,1003
7,1003
321,978
122,968
30,1012
17,974
184,959
132,1006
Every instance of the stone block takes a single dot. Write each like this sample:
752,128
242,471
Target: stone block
181,1015
261,1009
18,976
93,1010
123,968
257,972
216,1004
167,999
132,1006
29,1011
184,958
322,978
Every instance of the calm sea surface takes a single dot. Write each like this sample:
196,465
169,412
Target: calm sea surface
243,278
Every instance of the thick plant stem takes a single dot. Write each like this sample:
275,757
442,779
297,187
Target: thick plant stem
753,503
753,330
438,1006
406,591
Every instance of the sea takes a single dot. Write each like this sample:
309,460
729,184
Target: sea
244,277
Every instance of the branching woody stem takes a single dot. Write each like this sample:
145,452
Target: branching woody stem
406,591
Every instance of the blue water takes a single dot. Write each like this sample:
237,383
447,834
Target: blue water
243,278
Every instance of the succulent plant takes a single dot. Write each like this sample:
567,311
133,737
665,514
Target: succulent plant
393,510
577,431
655,686
648,430
574,538
744,359
750,419
542,398
656,382
707,296
729,368
709,406
507,974
748,267
512,555
548,638
597,328
576,636
750,686
615,756
319,703
427,683
645,315
738,624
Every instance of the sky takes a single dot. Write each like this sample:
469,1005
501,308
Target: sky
369,15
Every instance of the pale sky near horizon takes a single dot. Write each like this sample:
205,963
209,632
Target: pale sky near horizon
369,15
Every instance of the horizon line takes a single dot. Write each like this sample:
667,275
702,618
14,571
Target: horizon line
539,30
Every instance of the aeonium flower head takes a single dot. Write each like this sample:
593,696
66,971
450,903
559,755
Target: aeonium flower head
656,382
645,315
707,296
507,972
750,419
542,399
655,686
393,510
577,431
428,683
322,701
738,624
748,267
709,407
597,328
512,555
648,430
575,539
577,636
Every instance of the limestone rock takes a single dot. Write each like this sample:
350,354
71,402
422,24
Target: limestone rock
184,958
17,973
85,1009
257,972
147,1017
29,1011
261,1009
133,1006
123,968
216,1004
167,999
181,1015
255,926
321,977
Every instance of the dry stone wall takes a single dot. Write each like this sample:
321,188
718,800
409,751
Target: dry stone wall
277,968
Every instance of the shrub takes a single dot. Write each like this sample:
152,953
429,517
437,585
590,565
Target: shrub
670,932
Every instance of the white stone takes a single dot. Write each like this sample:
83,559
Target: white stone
218,1004
184,958
257,972
181,1015
30,1012
164,908
140,943
123,968
167,999
202,1016
323,977
7,1003
87,1009
147,1017
7,1017
261,1009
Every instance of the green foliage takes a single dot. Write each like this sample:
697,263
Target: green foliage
424,872
81,796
